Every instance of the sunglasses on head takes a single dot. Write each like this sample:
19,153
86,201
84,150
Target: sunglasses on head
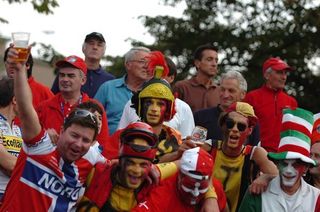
80,113
230,124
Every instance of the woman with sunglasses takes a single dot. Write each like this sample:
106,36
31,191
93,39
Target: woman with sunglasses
234,160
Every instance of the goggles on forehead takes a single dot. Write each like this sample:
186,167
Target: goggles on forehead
80,113
230,124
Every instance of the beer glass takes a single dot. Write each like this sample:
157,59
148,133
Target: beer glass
199,134
21,41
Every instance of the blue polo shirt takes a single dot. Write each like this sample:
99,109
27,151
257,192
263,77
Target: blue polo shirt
113,95
95,78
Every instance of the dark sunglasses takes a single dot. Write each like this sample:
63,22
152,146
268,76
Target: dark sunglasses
85,113
230,124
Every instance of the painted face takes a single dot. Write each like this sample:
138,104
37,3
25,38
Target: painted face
315,155
94,49
291,172
154,111
276,79
74,142
230,92
134,170
236,130
70,79
208,65
191,189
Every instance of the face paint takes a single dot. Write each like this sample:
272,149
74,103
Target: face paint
134,171
236,137
154,110
192,190
291,172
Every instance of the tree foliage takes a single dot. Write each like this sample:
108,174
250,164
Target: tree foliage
246,33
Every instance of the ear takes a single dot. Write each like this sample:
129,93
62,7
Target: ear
83,80
242,95
266,75
14,100
83,47
197,63
249,130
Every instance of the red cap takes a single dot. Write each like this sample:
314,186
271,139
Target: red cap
196,163
276,64
74,61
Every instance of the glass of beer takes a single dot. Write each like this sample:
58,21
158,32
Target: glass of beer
199,134
21,41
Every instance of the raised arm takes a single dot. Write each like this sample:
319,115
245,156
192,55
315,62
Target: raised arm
29,119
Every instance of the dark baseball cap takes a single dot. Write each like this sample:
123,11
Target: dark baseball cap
94,35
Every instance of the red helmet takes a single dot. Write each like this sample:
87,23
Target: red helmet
138,130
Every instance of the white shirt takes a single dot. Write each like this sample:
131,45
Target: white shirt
274,200
182,121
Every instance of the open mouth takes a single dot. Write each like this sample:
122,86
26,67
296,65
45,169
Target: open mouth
233,138
134,180
75,153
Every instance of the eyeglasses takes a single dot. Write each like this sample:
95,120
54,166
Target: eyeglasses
141,62
230,124
85,113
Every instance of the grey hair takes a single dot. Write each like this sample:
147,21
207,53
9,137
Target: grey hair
130,54
237,76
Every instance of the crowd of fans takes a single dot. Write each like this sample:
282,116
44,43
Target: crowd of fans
96,143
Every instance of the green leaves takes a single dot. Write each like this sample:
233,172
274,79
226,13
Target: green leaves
246,33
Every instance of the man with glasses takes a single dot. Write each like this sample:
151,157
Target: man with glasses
49,177
269,101
93,48
234,160
114,94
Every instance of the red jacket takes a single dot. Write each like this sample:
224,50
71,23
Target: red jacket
268,105
50,116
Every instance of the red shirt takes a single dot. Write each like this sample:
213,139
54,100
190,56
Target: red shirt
165,197
43,181
53,111
268,105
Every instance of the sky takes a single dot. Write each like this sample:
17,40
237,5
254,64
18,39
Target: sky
66,29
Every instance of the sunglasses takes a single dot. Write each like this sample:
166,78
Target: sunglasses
230,124
80,113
